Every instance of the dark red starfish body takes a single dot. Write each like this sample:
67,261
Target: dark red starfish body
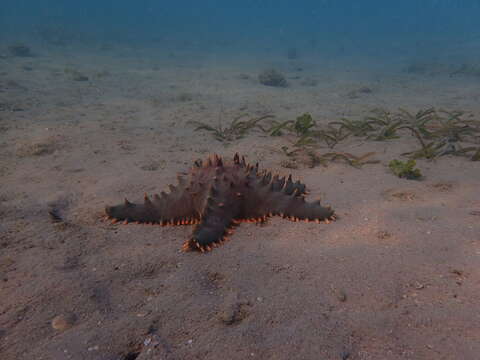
217,196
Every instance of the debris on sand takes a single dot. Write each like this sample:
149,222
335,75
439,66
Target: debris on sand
76,75
20,50
38,148
272,77
234,313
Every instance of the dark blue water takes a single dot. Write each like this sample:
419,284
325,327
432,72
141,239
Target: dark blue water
336,27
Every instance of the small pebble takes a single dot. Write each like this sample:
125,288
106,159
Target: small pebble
234,313
143,314
63,322
341,296
418,285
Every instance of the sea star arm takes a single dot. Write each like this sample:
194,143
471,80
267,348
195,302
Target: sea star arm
285,198
211,232
175,208
298,208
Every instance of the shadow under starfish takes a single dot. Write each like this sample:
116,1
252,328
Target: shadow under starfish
217,196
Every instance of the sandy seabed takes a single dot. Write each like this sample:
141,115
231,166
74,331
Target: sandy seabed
396,277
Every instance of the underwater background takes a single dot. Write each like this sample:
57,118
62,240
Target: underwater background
373,105
381,30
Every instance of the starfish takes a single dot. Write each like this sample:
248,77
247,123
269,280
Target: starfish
217,196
